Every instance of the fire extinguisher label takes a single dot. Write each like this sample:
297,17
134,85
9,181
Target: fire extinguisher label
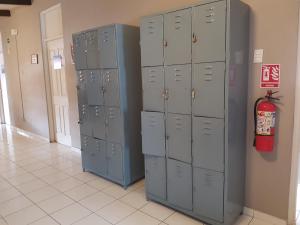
265,122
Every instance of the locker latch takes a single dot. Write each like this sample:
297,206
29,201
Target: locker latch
195,38
165,43
166,95
193,94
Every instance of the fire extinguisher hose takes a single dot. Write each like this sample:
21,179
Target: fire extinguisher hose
255,119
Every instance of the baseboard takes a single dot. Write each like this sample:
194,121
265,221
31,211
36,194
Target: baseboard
264,217
27,133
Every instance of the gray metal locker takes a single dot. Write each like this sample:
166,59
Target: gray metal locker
111,87
178,132
153,133
153,88
110,102
80,50
177,35
115,161
179,184
81,87
201,130
178,88
208,194
209,30
108,46
99,125
208,143
85,120
114,125
152,34
95,87
208,93
155,169
92,50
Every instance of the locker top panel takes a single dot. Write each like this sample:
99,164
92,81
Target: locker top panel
201,2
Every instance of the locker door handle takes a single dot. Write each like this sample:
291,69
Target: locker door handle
166,94
193,94
165,43
195,39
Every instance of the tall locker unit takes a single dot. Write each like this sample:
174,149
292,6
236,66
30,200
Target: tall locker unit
195,74
109,95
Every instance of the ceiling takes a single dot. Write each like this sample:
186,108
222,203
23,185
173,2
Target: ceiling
8,7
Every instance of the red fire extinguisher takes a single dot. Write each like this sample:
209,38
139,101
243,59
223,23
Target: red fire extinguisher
264,119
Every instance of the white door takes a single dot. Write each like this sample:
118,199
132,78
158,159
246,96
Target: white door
57,74
52,30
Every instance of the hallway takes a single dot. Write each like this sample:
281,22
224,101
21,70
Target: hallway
43,184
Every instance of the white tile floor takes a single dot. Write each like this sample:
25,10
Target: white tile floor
43,184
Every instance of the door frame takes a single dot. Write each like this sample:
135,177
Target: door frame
47,79
292,208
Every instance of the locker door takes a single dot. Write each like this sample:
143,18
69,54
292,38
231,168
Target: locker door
179,184
100,160
111,87
152,41
95,88
178,89
108,46
153,133
178,31
208,143
208,194
88,155
99,122
209,32
178,132
93,51
81,87
80,50
114,125
85,120
155,169
209,89
115,162
153,88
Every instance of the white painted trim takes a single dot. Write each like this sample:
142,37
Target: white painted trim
28,133
263,217
296,143
52,8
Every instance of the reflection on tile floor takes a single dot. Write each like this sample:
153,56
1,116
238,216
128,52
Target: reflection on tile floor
43,184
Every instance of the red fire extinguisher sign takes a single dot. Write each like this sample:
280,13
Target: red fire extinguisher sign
270,76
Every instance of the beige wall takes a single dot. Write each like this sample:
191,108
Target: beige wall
28,41
273,28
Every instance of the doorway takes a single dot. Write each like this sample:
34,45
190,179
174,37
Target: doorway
4,106
54,63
